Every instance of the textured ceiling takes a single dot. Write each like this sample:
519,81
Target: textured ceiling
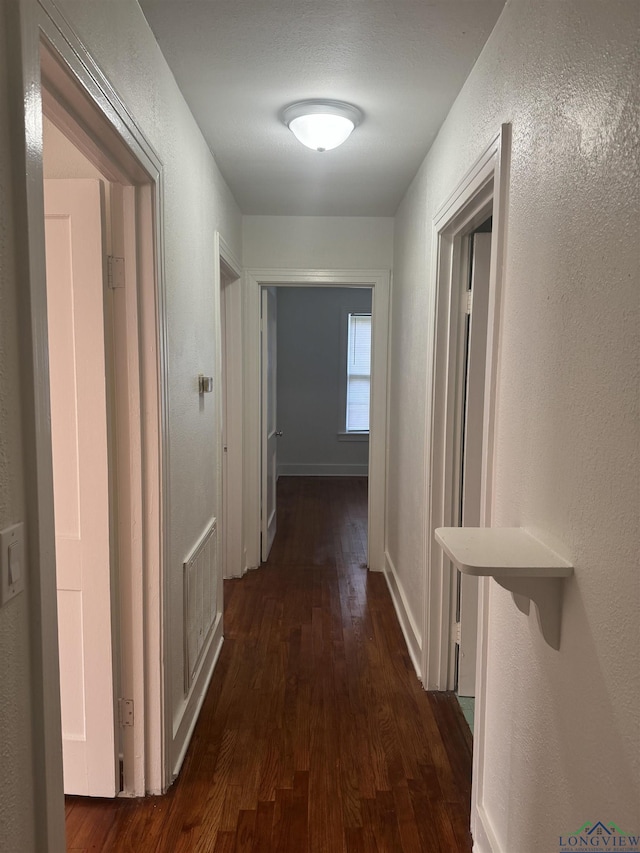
239,62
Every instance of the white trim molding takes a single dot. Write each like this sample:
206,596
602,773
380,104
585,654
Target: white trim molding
228,288
353,436
379,281
408,625
481,193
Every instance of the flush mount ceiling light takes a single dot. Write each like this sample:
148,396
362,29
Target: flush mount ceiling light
321,125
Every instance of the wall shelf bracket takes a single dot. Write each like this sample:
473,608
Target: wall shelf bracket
519,562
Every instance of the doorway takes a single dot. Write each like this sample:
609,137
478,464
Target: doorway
230,361
107,398
471,389
481,194
316,380
82,423
378,283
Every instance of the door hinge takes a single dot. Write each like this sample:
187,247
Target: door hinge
115,272
469,304
456,633
125,712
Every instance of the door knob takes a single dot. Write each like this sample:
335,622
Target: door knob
279,433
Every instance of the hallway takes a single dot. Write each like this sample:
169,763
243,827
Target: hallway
315,734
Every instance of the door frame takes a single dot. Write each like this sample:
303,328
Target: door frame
482,192
108,134
228,284
268,427
380,283
470,417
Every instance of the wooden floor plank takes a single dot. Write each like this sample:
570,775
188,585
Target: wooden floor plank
315,735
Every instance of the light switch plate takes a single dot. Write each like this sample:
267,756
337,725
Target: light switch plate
12,567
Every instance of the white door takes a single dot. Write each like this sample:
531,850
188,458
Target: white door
472,452
75,264
269,428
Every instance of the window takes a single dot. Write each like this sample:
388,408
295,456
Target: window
358,372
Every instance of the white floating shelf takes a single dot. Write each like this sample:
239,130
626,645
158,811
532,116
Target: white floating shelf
518,562
500,552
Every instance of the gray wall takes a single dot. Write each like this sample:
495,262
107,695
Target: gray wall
308,382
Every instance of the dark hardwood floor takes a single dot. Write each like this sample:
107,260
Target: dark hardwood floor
315,734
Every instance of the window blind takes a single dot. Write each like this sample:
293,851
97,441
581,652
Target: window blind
358,372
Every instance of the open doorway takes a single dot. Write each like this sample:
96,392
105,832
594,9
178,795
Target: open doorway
323,381
105,384
316,382
255,282
78,203
470,407
481,194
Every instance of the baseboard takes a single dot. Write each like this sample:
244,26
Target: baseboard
321,470
191,710
484,838
241,573
409,629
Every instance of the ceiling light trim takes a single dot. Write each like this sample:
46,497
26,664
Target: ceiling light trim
321,106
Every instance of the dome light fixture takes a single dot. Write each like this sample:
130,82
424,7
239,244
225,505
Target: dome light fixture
321,125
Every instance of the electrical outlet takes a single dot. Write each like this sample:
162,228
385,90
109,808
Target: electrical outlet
12,566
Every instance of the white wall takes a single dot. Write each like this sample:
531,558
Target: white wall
309,390
317,242
563,727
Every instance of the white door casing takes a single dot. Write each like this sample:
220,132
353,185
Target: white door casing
228,282
482,191
75,264
269,455
54,59
253,282
224,511
472,456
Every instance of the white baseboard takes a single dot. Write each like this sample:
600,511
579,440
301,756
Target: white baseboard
484,838
409,628
191,710
241,574
296,469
